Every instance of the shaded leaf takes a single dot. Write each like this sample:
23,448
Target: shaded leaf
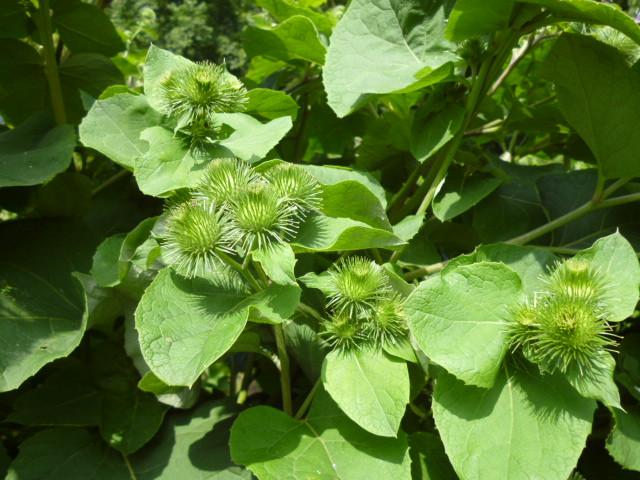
35,152
525,426
327,445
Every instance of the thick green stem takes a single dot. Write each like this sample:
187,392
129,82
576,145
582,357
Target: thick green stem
309,311
424,271
242,271
43,23
581,211
285,379
307,401
478,89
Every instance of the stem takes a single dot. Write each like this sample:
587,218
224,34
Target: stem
285,380
310,311
50,65
263,276
132,474
582,210
238,268
307,401
110,181
399,199
615,186
424,271
488,70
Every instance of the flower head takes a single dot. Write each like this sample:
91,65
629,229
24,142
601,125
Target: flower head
196,231
356,284
567,328
296,186
388,323
260,218
223,179
342,333
195,93
576,278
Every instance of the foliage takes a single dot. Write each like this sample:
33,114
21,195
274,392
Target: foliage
391,239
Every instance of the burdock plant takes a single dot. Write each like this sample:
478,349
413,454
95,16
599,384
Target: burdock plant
260,218
234,210
225,178
196,233
566,329
295,186
365,311
194,95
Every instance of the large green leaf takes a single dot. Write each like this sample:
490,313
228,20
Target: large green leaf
190,445
23,86
67,398
617,264
530,263
471,18
294,39
100,391
320,233
13,24
351,194
252,140
271,104
590,11
331,175
624,441
67,454
85,28
186,325
599,383
326,445
598,95
431,132
113,127
283,9
383,47
35,152
90,73
370,387
526,426
460,193
459,319
278,262
42,306
168,164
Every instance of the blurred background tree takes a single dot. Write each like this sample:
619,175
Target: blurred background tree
197,29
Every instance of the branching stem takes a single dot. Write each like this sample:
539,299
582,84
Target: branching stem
285,374
43,23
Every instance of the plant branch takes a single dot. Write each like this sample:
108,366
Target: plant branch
518,55
424,271
285,374
309,311
473,101
110,181
307,401
43,22
569,217
238,268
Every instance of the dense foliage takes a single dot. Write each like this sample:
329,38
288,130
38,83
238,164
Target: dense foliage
307,239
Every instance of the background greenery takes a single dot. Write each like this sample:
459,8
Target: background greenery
453,147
